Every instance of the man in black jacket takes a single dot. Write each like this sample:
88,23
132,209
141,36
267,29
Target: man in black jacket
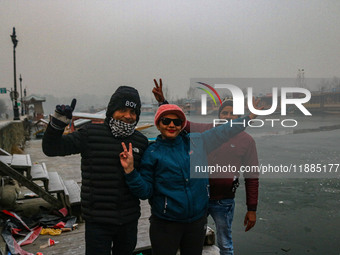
110,210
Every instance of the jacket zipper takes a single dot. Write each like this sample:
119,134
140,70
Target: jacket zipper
208,190
165,204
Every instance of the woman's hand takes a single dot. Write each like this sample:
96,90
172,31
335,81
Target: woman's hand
158,91
126,158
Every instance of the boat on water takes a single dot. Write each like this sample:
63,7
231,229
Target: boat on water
81,118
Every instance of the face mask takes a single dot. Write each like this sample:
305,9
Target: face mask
121,129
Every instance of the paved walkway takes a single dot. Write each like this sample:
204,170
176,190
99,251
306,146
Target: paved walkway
74,242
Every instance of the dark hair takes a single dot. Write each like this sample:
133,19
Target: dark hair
226,102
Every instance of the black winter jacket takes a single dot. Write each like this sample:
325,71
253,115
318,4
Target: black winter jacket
105,197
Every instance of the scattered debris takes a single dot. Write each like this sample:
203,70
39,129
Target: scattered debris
50,231
75,226
14,225
30,195
209,236
63,211
50,242
29,229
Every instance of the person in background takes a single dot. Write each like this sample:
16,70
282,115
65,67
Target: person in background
239,150
110,210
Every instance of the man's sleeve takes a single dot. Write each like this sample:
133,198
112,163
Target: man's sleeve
141,182
251,178
215,137
193,127
54,143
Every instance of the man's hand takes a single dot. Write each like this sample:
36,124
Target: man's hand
158,91
255,104
63,115
126,158
249,220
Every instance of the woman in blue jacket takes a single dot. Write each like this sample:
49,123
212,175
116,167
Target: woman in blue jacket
178,203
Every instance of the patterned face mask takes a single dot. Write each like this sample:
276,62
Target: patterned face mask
121,129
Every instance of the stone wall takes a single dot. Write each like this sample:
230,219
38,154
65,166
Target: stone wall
13,135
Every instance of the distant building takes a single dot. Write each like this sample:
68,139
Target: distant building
149,108
33,106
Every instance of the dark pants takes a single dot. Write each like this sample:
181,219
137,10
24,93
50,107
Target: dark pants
167,236
102,239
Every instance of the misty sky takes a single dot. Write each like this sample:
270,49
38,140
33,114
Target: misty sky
75,47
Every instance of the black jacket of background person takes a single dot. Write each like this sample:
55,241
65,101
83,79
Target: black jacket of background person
105,197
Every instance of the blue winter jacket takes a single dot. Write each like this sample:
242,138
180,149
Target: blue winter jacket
164,174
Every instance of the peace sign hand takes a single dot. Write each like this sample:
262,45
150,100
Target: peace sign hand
126,158
256,104
158,91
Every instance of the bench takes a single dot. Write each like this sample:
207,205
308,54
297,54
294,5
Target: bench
20,162
73,192
39,173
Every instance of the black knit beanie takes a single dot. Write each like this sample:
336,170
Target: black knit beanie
226,102
124,96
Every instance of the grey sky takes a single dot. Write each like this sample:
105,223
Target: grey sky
75,47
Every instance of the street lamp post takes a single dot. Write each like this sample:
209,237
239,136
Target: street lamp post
25,104
15,106
22,105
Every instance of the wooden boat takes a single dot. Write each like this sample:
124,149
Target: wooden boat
81,118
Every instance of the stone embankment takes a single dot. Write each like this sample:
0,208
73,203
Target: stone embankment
13,135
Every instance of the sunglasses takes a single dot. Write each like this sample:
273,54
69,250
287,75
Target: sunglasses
167,121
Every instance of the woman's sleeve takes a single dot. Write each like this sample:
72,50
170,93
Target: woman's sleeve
141,181
215,137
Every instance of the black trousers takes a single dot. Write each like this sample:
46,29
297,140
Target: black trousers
104,239
169,236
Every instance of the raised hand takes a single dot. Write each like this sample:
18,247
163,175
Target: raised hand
158,91
256,106
66,110
63,115
126,158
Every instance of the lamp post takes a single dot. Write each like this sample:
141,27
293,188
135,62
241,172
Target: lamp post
15,106
25,104
22,105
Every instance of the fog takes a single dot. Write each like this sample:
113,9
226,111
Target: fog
69,48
